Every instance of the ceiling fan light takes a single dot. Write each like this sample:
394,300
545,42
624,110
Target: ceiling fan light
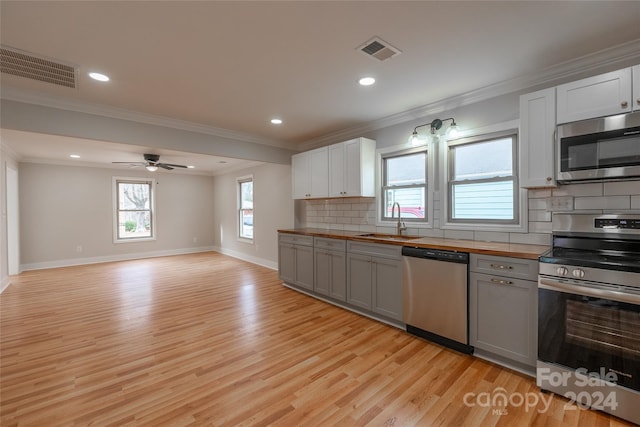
151,168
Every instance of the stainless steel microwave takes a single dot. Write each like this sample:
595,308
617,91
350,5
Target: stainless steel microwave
606,148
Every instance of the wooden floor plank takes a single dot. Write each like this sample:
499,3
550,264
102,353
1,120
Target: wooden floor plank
205,339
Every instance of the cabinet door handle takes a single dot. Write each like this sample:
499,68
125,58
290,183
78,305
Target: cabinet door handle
501,267
502,282
624,104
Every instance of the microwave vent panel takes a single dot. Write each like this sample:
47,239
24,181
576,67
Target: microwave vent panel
27,65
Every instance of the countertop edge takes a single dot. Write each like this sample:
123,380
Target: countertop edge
513,250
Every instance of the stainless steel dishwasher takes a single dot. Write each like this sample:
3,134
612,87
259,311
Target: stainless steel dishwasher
435,296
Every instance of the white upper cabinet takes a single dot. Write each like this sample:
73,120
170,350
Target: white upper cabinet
636,87
598,96
346,169
352,168
310,174
537,133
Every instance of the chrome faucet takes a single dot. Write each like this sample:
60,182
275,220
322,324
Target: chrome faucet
400,227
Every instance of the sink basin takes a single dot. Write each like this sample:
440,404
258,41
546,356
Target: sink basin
387,236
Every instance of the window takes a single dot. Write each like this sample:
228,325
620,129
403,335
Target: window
483,185
245,208
404,181
134,216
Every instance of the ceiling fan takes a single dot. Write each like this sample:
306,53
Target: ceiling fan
152,163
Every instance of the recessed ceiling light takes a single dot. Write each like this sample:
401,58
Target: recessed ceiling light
74,156
276,121
367,81
222,161
190,167
99,77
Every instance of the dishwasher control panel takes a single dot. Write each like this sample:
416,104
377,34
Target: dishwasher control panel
436,254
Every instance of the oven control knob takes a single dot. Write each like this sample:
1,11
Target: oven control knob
578,273
562,271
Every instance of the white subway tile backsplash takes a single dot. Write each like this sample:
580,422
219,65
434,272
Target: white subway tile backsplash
539,215
530,238
539,227
538,194
622,188
458,234
359,214
491,236
592,189
538,204
604,202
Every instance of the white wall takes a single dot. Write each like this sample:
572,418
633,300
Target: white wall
273,209
63,208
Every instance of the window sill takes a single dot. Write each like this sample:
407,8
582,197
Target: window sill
505,228
135,240
245,240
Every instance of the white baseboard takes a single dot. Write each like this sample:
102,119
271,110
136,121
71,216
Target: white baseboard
273,265
111,258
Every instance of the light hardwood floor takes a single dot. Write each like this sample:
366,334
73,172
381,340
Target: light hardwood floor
206,339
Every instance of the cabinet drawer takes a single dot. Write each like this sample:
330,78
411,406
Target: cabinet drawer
504,266
331,244
375,249
296,239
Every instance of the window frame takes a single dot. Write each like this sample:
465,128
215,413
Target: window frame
239,211
398,151
520,222
116,208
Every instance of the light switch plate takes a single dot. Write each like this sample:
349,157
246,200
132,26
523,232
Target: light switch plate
560,203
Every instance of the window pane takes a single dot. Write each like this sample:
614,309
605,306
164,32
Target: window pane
483,159
489,200
406,170
246,195
412,202
245,210
132,224
246,223
133,196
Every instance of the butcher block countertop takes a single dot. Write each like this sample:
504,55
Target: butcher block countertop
514,250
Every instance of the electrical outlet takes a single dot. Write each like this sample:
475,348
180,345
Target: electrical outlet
195,240
79,248
560,203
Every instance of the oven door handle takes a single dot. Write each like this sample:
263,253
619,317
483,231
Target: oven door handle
555,285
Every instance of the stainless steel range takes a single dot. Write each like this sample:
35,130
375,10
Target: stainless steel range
589,313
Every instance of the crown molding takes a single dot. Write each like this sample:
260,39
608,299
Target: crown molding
32,97
621,55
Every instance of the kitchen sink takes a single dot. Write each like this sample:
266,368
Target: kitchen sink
388,236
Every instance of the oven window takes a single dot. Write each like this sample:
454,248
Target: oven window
602,328
596,334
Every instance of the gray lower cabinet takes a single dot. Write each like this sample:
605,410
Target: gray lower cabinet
374,278
330,264
295,260
503,306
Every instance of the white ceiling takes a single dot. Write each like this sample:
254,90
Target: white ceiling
234,65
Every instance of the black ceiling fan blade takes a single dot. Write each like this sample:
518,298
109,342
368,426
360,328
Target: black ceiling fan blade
164,166
172,165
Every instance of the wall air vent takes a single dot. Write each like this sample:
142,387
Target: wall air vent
379,49
24,64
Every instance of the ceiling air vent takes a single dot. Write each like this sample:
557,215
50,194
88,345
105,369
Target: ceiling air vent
23,64
379,49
